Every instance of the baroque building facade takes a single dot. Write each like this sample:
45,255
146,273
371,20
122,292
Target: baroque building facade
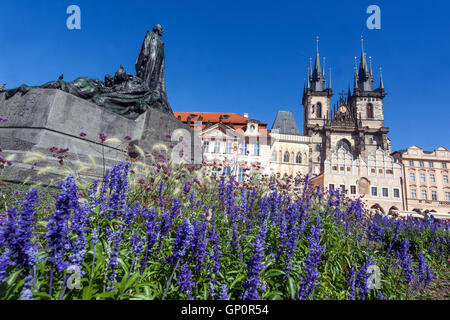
231,143
427,173
355,123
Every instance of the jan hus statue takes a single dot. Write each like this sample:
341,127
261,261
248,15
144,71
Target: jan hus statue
123,93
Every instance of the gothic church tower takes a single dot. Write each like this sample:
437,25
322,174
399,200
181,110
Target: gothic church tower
355,123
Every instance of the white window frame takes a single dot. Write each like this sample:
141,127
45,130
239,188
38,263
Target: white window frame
434,192
393,193
421,194
371,191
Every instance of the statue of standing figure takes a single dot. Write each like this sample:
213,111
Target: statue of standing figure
123,93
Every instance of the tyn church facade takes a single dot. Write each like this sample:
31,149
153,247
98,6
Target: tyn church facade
355,123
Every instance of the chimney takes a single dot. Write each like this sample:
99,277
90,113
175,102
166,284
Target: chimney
246,115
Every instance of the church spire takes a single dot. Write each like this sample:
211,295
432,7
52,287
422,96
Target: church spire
317,76
364,74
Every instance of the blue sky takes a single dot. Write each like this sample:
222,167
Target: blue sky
245,56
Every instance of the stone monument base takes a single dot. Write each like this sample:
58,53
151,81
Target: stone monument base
46,118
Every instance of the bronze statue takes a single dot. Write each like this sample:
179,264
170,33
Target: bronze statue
123,93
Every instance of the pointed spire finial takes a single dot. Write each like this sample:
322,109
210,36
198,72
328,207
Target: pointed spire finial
317,43
362,43
381,78
329,82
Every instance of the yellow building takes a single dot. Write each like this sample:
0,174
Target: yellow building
426,179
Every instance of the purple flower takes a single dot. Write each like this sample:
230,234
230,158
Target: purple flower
82,134
128,138
223,294
362,278
254,267
152,229
58,242
185,283
424,270
184,236
351,283
102,137
3,119
113,258
16,236
405,261
311,274
198,244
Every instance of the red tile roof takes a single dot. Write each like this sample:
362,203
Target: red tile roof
237,120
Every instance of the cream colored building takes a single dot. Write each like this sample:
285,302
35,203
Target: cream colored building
377,179
426,179
289,150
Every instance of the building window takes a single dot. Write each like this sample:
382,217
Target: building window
373,171
374,191
385,192
396,193
241,175
331,187
244,148
334,168
286,157
432,177
444,165
229,148
317,147
274,155
389,171
411,163
423,177
445,178
342,187
227,171
424,195
434,195
353,189
319,110
298,159
217,147
422,164
370,111
257,149
413,193
412,176
206,146
431,164
447,196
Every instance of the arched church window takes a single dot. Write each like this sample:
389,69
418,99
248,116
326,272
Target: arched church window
344,143
370,111
286,157
274,155
319,110
298,159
